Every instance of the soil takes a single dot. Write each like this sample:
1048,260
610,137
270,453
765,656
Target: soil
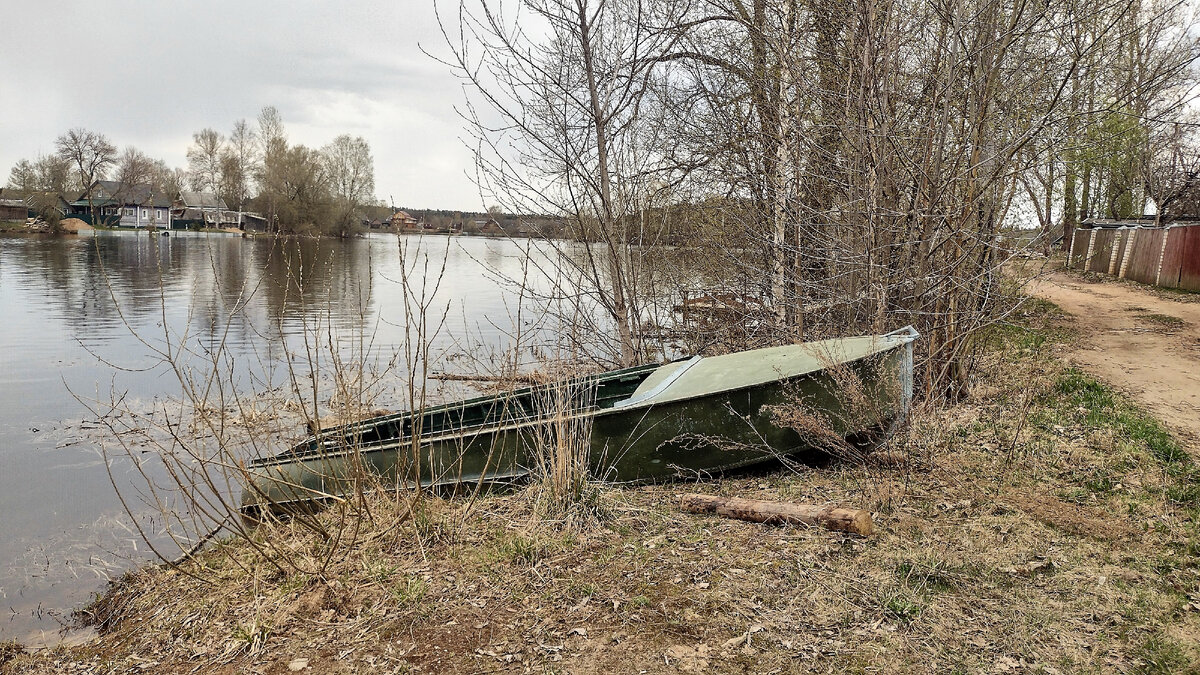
1142,340
74,225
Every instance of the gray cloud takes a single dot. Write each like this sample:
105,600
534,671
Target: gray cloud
149,74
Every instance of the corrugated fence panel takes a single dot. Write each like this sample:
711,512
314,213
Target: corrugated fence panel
1079,247
1143,259
1189,268
1122,241
1102,248
1172,257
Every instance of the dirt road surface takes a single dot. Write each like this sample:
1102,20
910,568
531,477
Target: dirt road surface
1145,342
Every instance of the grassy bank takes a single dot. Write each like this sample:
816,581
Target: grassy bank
1044,526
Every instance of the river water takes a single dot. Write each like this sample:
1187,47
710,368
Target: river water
84,321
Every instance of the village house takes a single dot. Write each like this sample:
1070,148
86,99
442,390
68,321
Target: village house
206,209
37,202
402,220
489,227
120,205
13,209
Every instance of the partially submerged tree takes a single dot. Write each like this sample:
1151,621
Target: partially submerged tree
272,150
351,174
300,192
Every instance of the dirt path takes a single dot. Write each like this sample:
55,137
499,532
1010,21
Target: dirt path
1139,340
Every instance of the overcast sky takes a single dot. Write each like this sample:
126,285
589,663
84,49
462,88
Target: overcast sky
150,73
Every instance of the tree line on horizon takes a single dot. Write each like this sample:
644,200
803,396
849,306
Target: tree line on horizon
298,189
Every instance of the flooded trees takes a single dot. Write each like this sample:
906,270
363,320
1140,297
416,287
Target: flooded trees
351,173
301,188
237,165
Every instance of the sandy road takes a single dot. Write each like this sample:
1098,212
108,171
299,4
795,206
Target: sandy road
1128,339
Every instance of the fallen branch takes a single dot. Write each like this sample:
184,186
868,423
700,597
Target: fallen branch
454,377
856,521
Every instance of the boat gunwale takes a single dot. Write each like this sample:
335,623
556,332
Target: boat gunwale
458,405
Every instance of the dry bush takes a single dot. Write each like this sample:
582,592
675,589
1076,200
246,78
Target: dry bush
560,449
844,418
190,453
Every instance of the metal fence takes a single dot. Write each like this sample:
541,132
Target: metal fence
1167,257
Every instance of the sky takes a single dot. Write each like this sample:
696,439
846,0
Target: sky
150,73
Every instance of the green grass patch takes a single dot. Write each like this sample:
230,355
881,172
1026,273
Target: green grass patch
293,583
1161,654
1028,329
934,575
251,637
1097,406
518,549
1081,400
410,590
903,610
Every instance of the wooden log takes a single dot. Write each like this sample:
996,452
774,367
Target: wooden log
856,521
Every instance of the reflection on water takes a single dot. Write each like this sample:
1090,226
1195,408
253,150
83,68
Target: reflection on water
84,317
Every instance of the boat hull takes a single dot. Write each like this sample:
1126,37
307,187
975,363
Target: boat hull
666,433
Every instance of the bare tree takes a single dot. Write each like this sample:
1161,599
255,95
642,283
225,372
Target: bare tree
873,149
134,170
167,181
1134,78
91,154
237,164
272,151
22,176
299,193
558,125
1172,173
43,182
204,160
856,161
351,174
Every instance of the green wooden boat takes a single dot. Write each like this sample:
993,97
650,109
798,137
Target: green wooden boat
686,418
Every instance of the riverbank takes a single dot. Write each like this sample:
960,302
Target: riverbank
1044,525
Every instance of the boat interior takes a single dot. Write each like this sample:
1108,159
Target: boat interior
591,392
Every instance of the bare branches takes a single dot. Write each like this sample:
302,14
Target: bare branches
91,153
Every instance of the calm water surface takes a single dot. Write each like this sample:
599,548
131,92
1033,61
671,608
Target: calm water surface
81,319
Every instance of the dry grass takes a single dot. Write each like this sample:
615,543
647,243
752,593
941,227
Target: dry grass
1044,526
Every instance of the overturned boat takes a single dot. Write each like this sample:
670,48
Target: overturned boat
686,418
